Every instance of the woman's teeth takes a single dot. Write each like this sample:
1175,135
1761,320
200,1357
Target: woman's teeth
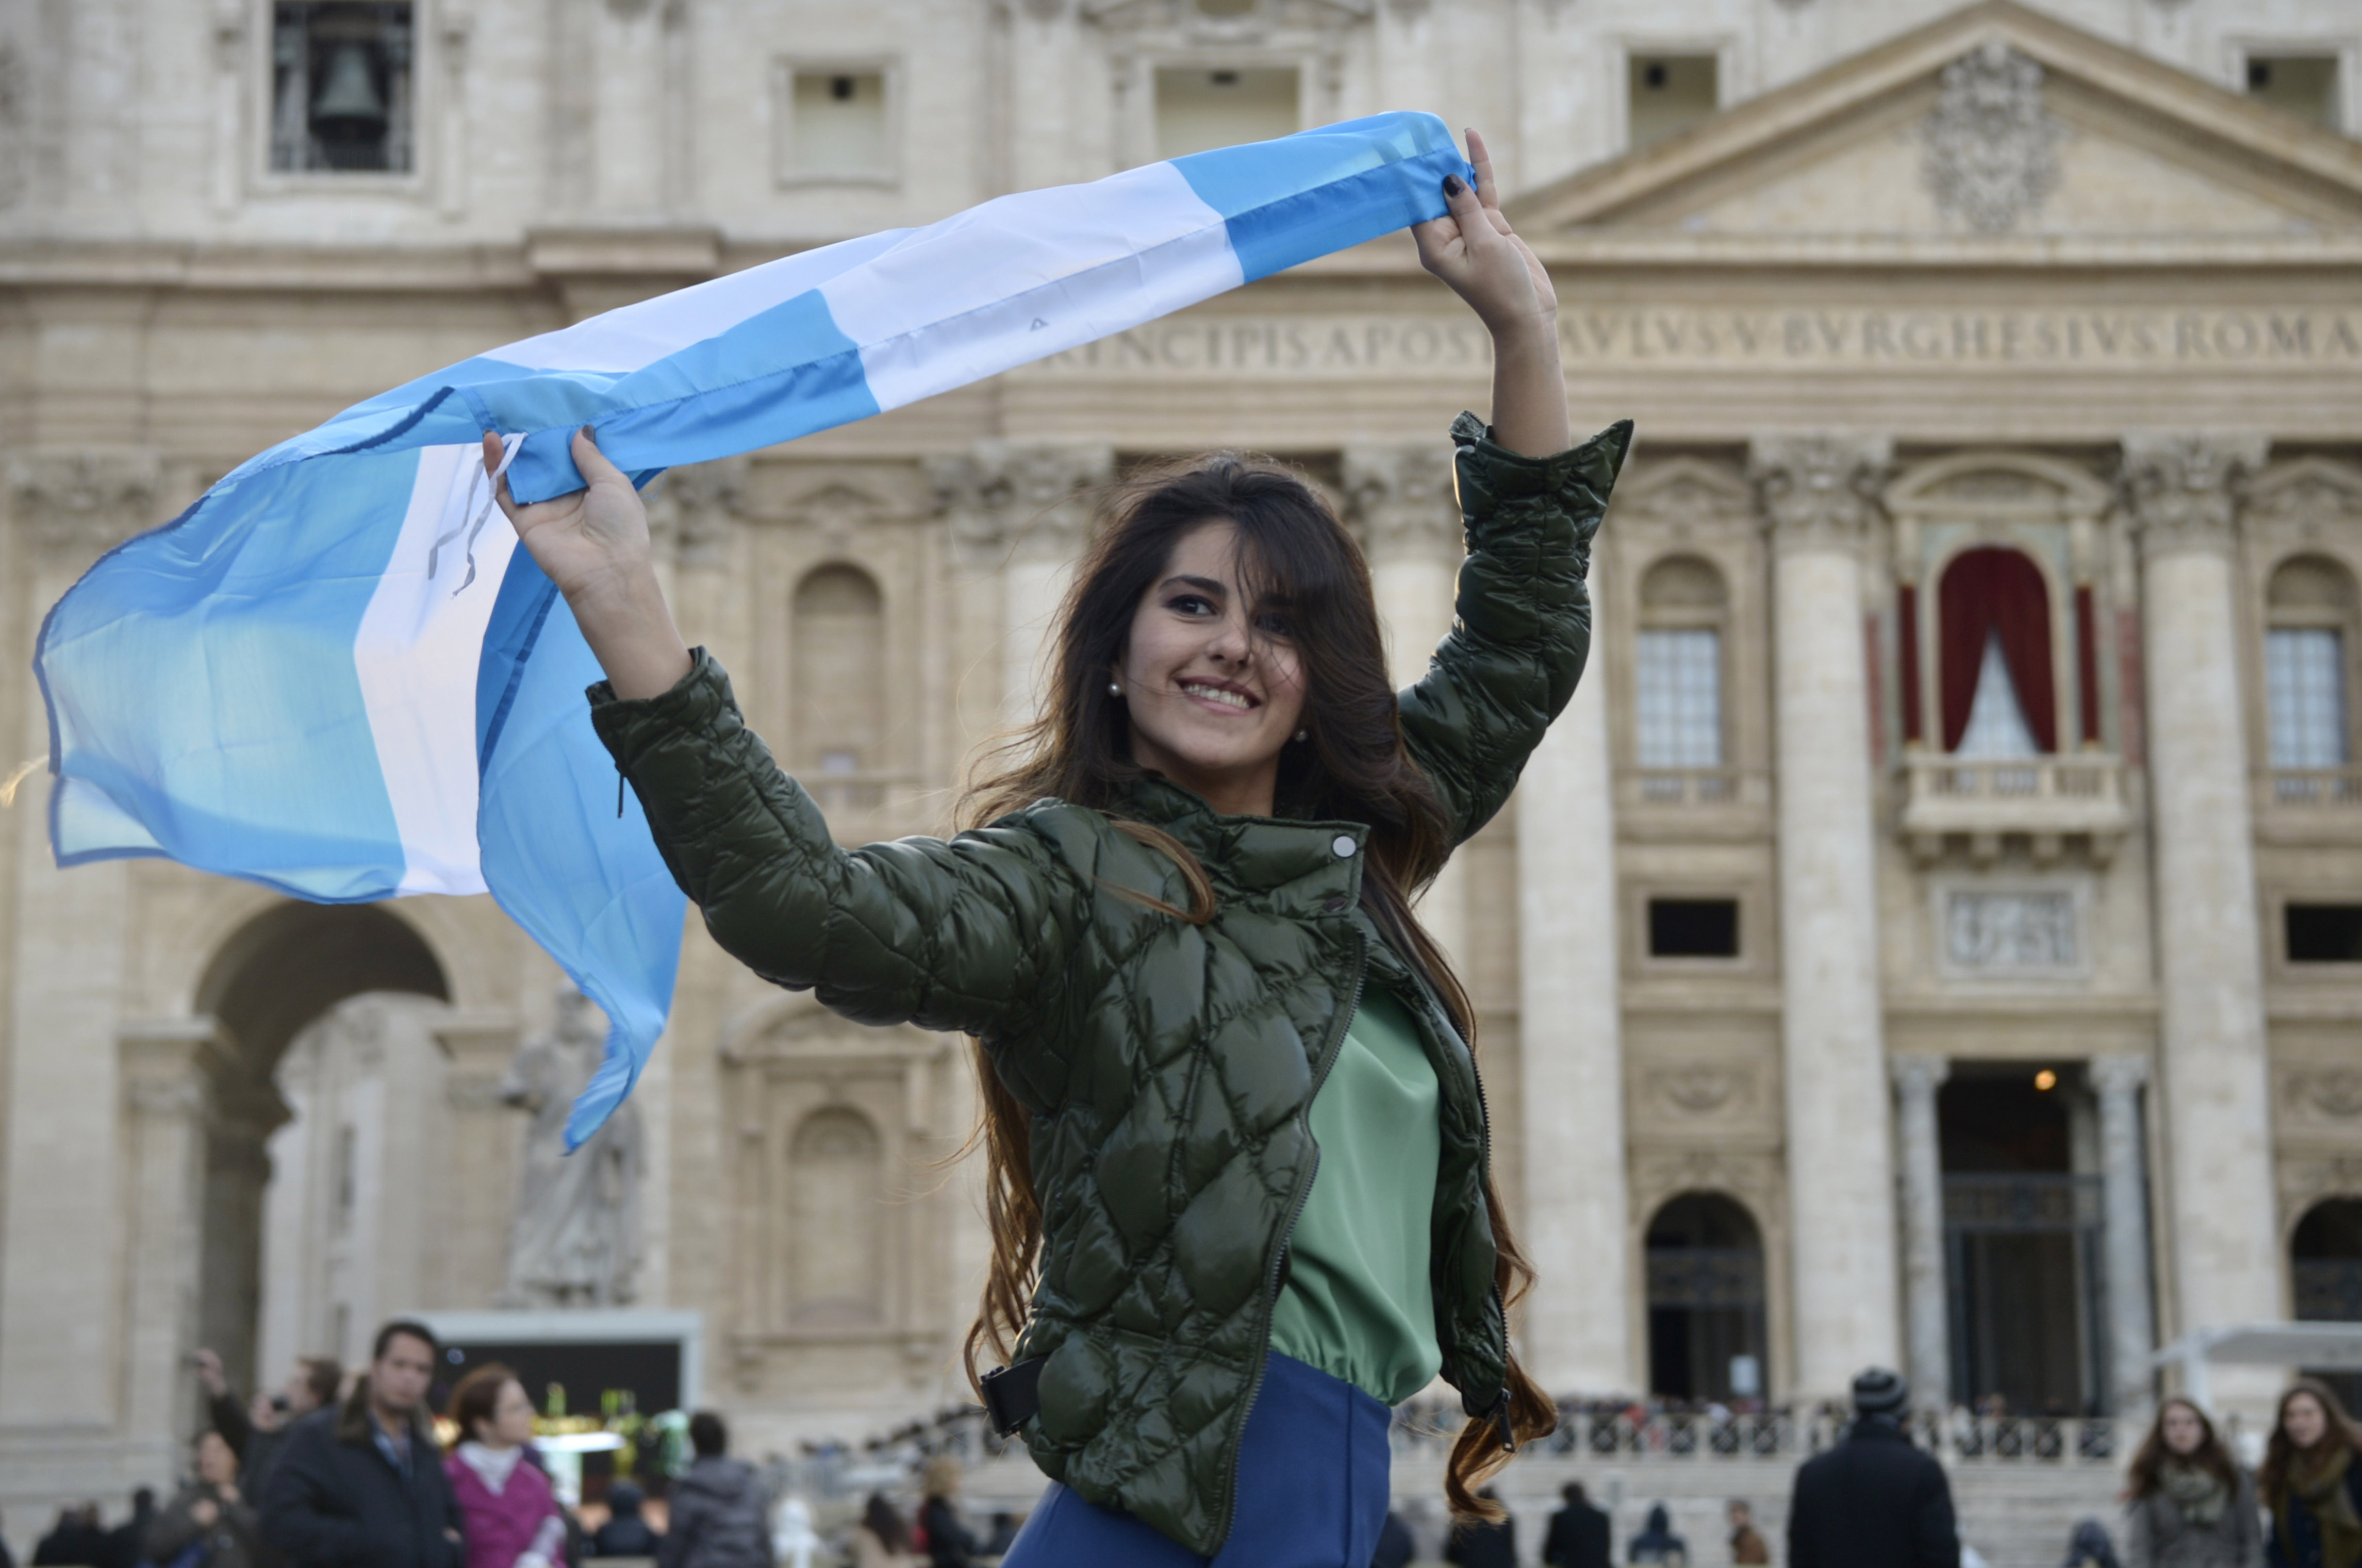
1217,694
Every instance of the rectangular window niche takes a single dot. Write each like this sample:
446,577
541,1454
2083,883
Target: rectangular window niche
835,123
1693,927
343,76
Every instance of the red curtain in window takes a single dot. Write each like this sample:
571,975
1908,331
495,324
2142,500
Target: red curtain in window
1996,590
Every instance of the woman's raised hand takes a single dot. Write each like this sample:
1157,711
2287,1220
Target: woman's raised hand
594,546
1474,250
584,539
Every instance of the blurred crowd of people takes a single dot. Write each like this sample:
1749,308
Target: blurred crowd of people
327,1474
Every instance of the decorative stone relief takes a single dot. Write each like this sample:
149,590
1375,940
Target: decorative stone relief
693,509
2305,497
1699,1089
1989,148
86,502
1231,20
1756,1180
2304,1182
2334,1093
1679,498
13,103
2017,930
1818,490
2183,492
1401,499
1032,502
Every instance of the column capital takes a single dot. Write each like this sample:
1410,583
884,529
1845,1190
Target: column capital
1008,500
1819,491
2182,490
691,514
1405,500
168,1065
1918,1075
84,502
2118,1073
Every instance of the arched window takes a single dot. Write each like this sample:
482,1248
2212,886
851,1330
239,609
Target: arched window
1998,692
1677,666
836,1255
838,720
2325,1267
1705,1299
2310,606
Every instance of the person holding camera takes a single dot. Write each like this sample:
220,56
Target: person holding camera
254,1431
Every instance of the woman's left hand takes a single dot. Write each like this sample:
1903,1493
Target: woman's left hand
1474,250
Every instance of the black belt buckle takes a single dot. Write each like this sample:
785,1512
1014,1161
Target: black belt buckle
1013,1394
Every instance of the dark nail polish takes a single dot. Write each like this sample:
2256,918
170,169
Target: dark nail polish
1452,186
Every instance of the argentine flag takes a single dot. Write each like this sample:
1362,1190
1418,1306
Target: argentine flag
337,675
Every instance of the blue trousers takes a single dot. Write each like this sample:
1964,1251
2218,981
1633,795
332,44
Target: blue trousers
1313,1469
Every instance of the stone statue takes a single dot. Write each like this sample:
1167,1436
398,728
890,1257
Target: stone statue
575,1241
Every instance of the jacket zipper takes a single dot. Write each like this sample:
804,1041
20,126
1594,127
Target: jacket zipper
1500,1412
1295,1211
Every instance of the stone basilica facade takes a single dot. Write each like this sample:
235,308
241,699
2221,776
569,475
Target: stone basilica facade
1933,937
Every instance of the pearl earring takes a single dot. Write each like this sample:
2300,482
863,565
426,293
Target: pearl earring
1114,690
1304,734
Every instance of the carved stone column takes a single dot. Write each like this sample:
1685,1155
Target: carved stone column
1577,1334
1024,510
61,1293
2132,1332
485,1136
167,1071
1816,499
1402,497
1926,1302
2182,494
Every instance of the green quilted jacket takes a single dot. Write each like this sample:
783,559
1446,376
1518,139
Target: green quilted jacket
1167,1067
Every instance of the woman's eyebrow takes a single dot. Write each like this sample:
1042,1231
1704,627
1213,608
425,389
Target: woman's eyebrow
1203,584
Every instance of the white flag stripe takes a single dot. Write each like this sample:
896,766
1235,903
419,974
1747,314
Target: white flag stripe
999,296
416,654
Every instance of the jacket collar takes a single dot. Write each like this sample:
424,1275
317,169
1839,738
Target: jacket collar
1302,866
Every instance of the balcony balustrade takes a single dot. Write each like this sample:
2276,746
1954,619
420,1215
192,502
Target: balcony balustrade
2046,801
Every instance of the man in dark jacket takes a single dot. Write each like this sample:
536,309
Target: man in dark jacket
720,1516
1579,1536
362,1486
1873,1501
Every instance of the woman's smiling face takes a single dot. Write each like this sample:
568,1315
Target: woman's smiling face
1212,682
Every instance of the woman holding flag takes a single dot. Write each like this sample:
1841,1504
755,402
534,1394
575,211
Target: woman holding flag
1238,1157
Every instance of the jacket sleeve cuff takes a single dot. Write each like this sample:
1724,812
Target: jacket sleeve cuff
695,703
1590,466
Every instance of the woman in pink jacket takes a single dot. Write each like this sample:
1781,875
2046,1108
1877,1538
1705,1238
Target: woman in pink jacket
512,1517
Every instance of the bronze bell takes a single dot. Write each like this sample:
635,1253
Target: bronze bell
349,94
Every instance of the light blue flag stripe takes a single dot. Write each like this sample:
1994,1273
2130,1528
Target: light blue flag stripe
337,673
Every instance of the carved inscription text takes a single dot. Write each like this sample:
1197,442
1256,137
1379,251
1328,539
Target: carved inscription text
2096,337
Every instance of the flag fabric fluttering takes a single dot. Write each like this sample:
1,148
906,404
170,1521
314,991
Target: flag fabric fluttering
337,675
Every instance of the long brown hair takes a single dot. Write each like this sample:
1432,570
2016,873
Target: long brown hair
1295,559
2209,1455
2283,1460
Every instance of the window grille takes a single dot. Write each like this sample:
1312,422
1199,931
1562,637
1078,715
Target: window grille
2304,681
341,76
1677,697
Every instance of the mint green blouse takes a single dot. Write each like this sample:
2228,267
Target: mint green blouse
1358,1304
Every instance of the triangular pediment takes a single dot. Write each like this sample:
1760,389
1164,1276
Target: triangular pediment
1993,121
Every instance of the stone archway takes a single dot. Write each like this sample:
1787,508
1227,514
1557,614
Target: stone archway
276,974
